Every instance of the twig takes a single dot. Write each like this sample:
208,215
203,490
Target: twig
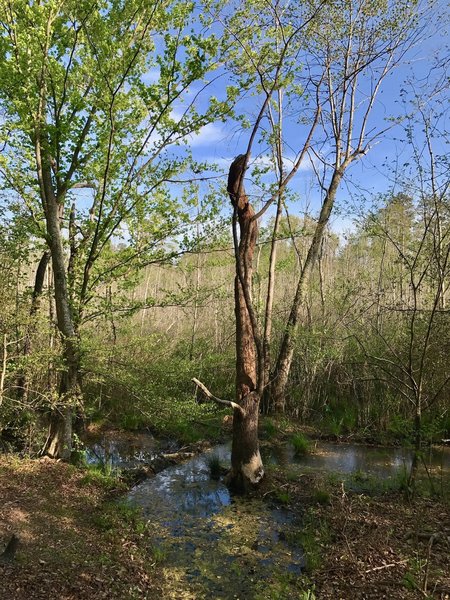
275,489
388,566
427,565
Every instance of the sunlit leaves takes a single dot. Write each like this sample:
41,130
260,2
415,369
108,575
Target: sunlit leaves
106,92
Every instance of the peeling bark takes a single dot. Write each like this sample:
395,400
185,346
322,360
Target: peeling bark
246,464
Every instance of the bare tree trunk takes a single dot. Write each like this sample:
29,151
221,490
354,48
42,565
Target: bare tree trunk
417,443
246,464
4,366
144,310
284,361
59,440
267,400
194,326
268,315
51,371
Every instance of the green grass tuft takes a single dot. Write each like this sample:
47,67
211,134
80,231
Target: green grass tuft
104,476
214,466
321,497
301,444
270,429
283,497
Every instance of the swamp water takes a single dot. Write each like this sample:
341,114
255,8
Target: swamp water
212,545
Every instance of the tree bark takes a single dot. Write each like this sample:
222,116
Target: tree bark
246,463
417,443
59,440
283,366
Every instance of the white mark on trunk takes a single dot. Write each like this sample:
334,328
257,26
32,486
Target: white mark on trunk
254,470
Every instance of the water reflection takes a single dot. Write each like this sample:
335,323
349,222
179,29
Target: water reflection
350,458
117,449
208,535
188,509
186,488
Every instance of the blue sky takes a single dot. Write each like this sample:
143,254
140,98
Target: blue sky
220,143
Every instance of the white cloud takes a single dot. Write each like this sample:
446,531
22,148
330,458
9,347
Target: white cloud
306,165
208,135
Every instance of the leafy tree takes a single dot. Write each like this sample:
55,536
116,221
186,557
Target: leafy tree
92,99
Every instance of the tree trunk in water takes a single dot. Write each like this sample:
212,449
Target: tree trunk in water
246,464
283,366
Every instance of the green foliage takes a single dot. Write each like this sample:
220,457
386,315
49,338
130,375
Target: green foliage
280,586
321,497
311,537
373,485
158,553
340,418
137,393
282,496
107,99
112,516
400,427
300,443
308,594
91,98
270,429
409,581
292,475
104,476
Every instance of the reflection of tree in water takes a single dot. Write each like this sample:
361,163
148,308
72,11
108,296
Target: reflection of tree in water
204,534
203,502
108,452
379,461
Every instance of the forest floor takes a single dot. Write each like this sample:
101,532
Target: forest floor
364,544
77,542
74,543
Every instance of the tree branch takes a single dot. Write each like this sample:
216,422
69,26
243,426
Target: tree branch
210,396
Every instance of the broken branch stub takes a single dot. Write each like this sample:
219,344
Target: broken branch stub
210,396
